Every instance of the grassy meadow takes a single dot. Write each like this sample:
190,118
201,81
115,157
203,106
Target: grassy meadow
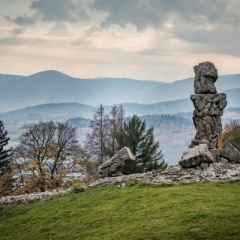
185,211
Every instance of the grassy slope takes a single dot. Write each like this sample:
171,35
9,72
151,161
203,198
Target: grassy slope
193,211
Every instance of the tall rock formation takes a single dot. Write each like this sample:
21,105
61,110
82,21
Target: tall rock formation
209,107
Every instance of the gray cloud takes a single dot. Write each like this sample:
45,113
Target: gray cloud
22,20
59,10
212,26
17,31
144,13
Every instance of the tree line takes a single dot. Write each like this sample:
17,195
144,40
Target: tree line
48,151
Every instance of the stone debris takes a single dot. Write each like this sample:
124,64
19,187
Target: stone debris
27,198
214,172
114,165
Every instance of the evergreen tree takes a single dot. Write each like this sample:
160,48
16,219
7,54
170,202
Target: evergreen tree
5,161
5,158
142,144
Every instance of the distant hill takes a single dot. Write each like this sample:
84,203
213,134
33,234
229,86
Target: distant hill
45,112
54,87
184,88
64,111
79,122
4,78
233,97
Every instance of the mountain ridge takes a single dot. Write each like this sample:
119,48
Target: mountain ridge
51,86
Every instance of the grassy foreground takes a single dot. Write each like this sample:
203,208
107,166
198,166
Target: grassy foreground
192,211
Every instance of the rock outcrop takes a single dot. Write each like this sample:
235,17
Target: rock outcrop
114,166
216,172
209,107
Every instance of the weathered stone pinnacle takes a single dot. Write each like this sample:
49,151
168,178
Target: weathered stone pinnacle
209,107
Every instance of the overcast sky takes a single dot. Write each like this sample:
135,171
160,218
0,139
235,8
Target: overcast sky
140,39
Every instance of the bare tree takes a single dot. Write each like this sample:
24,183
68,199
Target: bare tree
51,150
96,142
116,120
101,142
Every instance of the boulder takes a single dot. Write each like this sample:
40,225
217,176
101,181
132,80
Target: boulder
114,166
196,156
205,77
230,153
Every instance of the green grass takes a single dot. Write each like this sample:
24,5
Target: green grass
190,211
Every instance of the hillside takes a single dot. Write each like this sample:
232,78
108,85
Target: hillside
5,78
55,87
190,211
184,88
45,112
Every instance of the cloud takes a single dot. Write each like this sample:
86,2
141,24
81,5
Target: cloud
92,30
61,29
17,31
59,10
22,20
206,25
154,13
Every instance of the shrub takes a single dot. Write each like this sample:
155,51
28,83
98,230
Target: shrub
131,183
77,189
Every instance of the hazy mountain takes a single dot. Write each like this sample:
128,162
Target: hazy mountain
55,87
7,78
64,111
233,97
45,112
52,86
184,88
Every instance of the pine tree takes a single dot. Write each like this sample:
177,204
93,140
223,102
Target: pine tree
142,144
5,154
5,162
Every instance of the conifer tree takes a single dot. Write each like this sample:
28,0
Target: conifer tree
142,144
5,155
5,162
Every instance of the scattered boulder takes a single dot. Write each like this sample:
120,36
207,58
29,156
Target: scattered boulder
196,156
114,166
222,171
230,153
